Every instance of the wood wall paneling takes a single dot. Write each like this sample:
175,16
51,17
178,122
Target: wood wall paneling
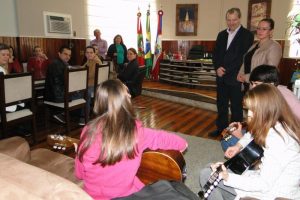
183,46
286,66
24,47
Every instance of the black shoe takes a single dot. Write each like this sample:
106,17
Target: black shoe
60,117
81,122
215,133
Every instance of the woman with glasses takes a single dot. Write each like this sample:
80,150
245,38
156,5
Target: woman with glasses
265,51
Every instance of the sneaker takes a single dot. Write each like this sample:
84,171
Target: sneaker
215,133
81,122
60,117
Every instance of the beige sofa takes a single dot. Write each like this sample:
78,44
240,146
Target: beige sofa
36,174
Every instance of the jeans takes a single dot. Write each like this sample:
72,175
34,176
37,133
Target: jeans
230,142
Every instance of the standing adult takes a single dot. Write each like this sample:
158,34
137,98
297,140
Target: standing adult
118,53
232,43
264,52
102,44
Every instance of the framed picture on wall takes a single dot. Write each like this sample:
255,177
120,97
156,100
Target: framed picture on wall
257,10
186,19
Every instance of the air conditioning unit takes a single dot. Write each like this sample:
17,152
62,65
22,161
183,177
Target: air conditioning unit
57,25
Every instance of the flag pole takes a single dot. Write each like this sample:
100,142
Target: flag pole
158,48
148,54
140,43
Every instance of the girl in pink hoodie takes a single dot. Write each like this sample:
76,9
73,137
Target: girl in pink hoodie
111,145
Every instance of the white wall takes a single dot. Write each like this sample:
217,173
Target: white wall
25,17
8,18
211,17
30,15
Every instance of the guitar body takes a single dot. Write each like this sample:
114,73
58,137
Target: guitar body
155,165
161,164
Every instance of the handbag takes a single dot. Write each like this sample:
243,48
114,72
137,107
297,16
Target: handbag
163,190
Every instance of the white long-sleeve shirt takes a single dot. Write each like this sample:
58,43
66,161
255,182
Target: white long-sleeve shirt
279,171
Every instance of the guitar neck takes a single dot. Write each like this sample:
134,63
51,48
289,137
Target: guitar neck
238,164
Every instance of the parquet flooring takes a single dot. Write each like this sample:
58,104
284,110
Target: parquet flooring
162,114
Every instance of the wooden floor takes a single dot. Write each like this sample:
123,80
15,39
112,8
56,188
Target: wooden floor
156,113
162,114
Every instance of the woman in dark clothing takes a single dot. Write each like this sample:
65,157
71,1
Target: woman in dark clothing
118,52
130,72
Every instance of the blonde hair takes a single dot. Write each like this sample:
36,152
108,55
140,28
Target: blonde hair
269,107
114,121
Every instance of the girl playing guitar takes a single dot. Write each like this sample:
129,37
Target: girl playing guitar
277,130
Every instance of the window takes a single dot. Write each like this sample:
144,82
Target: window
114,17
293,32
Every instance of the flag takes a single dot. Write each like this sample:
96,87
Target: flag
148,55
140,43
158,49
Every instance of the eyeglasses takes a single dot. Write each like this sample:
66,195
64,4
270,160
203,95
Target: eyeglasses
262,29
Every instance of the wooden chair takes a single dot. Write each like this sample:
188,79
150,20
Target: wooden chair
76,81
16,89
101,75
39,88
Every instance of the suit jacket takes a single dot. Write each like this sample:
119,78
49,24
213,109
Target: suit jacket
55,83
268,53
232,58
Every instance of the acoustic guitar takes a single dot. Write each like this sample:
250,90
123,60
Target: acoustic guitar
242,161
155,165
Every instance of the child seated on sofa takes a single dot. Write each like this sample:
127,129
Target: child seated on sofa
111,145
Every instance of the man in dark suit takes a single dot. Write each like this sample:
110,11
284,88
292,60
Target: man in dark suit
232,43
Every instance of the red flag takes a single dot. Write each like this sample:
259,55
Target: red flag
140,43
158,48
